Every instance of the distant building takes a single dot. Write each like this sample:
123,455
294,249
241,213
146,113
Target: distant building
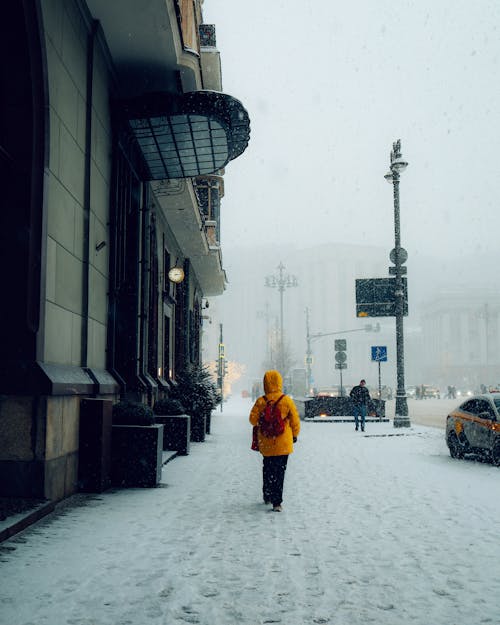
461,338
114,135
326,277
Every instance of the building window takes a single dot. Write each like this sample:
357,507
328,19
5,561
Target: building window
123,332
167,284
167,361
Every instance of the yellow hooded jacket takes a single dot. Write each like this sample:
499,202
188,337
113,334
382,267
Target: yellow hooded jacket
281,445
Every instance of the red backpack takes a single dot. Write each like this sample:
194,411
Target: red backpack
271,422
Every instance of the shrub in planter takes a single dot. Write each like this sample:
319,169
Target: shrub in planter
132,413
199,395
213,401
176,424
136,446
168,405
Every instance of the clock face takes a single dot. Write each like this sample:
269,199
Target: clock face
176,274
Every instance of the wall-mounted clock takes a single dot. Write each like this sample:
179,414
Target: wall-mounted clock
176,274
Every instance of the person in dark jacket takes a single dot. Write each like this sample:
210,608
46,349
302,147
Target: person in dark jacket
360,396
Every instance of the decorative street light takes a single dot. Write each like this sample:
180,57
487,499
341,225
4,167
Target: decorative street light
398,257
309,355
281,282
265,314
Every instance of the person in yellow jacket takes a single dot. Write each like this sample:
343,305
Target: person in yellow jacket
275,450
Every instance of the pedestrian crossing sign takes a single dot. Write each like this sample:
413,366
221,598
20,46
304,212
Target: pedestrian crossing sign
379,353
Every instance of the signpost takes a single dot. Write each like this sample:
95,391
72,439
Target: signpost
376,297
221,369
379,354
341,359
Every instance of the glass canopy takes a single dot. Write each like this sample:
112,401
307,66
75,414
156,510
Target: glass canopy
182,136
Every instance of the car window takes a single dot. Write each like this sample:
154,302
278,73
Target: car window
482,405
468,406
497,404
475,406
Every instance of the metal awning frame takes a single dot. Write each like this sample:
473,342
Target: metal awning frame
187,135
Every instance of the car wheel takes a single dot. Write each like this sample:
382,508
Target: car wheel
495,454
455,447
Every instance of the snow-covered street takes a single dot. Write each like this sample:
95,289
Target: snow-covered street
378,527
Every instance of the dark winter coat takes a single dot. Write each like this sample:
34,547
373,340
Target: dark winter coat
360,395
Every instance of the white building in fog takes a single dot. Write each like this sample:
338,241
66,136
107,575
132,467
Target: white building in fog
461,338
326,274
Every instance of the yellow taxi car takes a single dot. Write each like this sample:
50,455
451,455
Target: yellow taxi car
474,428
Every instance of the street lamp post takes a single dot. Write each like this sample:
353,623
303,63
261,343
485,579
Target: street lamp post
308,354
398,256
281,282
261,314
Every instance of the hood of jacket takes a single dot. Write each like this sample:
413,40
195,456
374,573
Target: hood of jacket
273,382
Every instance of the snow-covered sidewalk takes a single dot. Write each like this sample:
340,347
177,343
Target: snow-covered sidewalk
381,527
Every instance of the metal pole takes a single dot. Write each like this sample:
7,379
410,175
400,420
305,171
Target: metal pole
308,353
486,330
282,355
268,334
221,368
379,382
401,418
281,282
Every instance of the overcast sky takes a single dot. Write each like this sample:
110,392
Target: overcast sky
329,86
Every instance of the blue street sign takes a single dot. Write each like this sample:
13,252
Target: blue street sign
379,353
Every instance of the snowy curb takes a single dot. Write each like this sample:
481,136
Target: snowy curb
343,419
18,522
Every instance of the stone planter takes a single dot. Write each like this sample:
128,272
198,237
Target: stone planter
333,406
208,421
136,455
94,461
198,427
176,432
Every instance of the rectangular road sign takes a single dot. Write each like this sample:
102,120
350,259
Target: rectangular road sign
379,353
375,297
392,270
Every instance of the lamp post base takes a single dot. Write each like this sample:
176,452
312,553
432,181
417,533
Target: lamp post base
402,422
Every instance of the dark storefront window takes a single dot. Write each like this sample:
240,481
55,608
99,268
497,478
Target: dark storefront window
124,271
167,373
155,288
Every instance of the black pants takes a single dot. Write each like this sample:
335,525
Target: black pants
273,476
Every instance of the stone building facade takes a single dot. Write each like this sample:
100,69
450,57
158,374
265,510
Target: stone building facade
114,136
